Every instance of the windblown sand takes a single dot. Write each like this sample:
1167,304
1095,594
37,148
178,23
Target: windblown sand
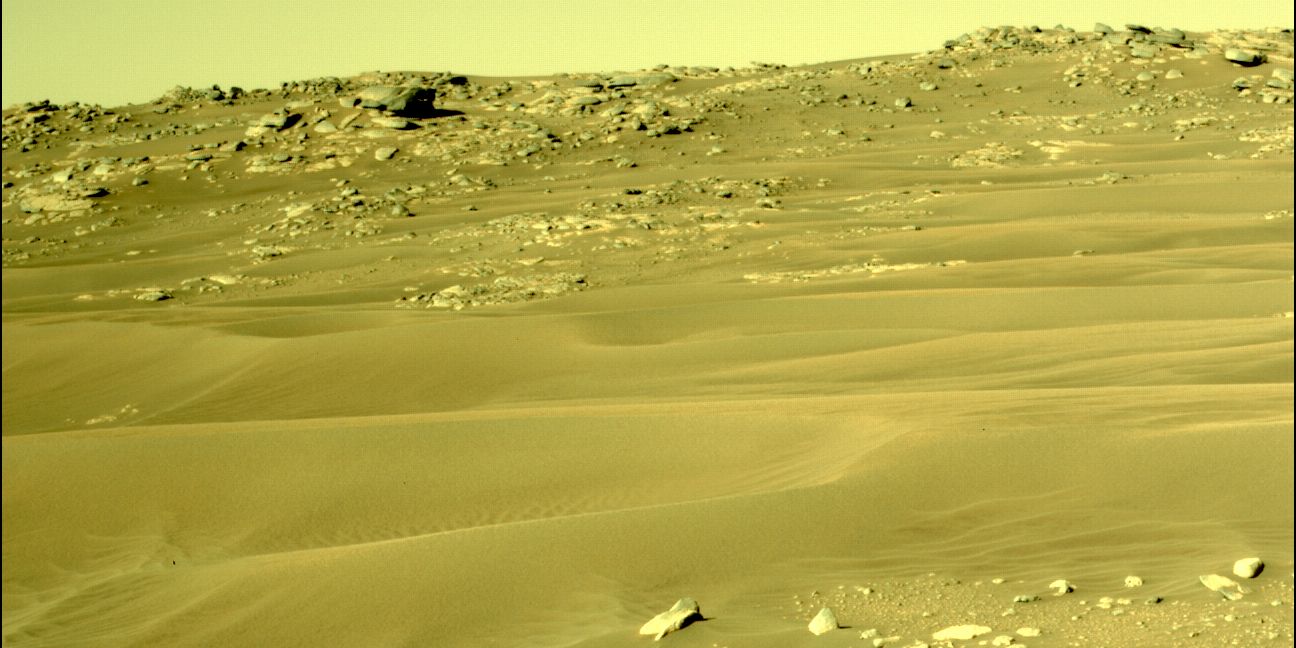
804,353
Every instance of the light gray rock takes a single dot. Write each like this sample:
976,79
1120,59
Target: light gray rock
824,622
394,123
153,295
278,121
1243,57
1248,567
903,102
385,153
684,612
1144,50
960,632
1061,586
406,101
1133,581
1223,585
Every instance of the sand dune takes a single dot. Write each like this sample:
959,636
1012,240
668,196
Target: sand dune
910,377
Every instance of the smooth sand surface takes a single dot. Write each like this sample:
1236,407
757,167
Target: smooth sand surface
905,378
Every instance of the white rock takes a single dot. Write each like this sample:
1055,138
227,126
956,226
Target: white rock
1225,586
960,633
1028,631
681,614
385,153
823,622
1002,640
1061,587
1248,567
1133,581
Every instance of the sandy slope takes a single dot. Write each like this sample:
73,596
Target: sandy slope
1053,376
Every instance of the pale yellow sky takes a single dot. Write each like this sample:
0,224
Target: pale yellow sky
128,51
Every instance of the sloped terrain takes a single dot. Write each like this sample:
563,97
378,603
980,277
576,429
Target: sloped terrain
908,337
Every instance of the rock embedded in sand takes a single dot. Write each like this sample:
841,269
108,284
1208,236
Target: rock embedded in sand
1061,587
823,622
684,612
394,123
960,632
1223,585
1028,631
1248,567
385,153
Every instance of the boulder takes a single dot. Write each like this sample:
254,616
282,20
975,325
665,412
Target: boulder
278,121
823,622
1246,58
1144,50
1248,567
407,101
684,612
1223,585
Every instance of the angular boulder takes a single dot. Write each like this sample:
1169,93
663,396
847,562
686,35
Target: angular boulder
684,612
405,101
825,621
1245,58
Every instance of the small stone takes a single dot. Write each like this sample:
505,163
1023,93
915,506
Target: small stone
927,86
1133,581
903,102
1104,29
1145,77
823,622
385,153
1025,598
1173,74
960,632
1028,631
684,612
1002,640
1248,567
1061,587
139,182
